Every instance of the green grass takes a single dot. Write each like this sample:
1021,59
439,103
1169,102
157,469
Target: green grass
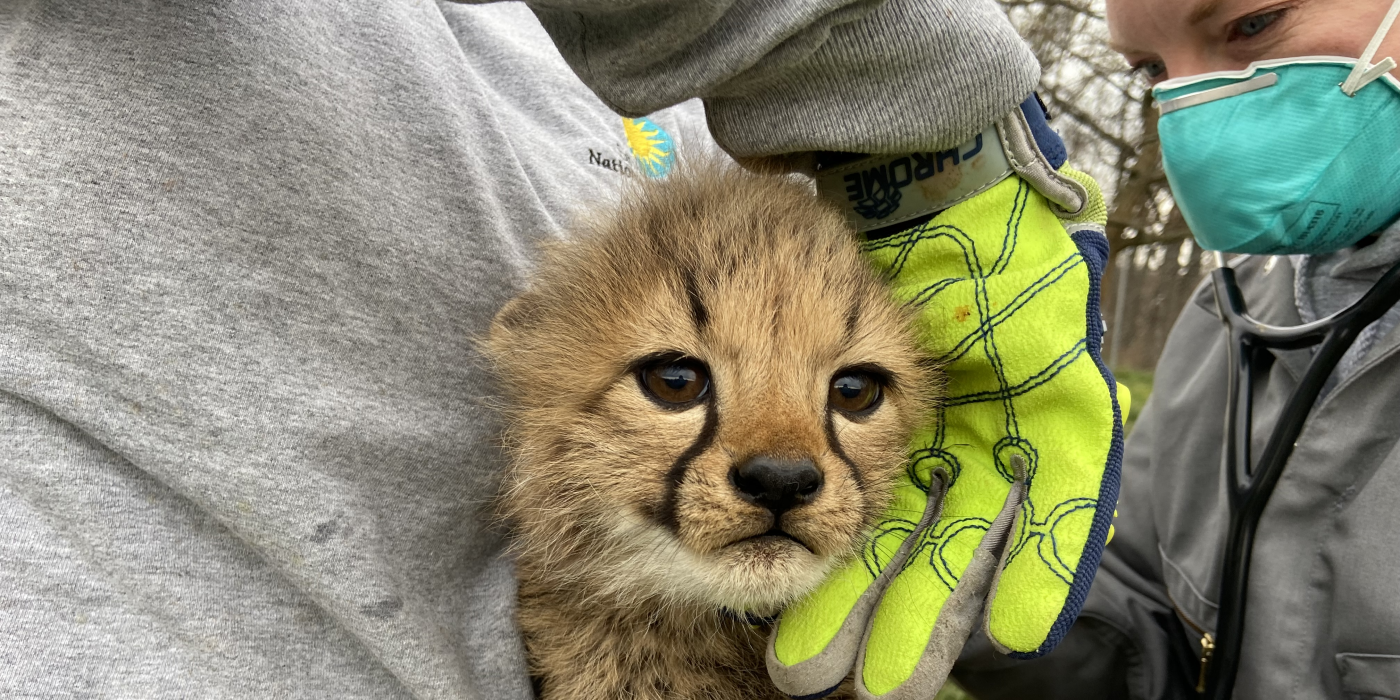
951,691
1140,385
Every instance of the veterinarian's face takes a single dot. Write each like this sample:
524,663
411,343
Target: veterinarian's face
1165,39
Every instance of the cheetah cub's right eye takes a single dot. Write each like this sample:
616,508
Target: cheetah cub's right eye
855,393
675,382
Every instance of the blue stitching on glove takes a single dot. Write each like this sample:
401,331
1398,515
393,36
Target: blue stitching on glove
817,696
870,555
1022,298
1039,530
1094,247
1025,387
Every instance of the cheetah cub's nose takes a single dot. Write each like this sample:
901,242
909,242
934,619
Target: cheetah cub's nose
777,484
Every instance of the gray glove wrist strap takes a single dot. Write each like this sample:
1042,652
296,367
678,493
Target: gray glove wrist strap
884,190
889,189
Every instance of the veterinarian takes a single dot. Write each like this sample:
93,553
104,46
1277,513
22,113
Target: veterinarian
246,250
1297,161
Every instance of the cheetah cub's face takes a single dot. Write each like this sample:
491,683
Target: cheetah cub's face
711,393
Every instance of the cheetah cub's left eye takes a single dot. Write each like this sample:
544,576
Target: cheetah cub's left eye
855,393
676,382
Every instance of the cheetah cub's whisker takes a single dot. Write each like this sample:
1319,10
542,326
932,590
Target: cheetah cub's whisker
709,396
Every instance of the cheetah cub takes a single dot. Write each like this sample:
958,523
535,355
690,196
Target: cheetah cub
709,395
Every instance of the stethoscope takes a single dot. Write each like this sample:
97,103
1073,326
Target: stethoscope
1248,489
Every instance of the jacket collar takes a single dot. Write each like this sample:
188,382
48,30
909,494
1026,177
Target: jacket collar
1267,284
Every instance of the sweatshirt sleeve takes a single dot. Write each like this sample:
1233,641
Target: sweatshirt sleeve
1128,643
786,76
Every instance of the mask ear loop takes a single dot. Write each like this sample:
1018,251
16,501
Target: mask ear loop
1364,73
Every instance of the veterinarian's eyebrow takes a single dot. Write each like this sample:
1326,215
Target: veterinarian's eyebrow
1121,48
1204,11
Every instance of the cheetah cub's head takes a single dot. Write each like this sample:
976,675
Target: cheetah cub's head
710,396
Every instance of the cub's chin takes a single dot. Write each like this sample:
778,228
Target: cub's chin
764,574
758,575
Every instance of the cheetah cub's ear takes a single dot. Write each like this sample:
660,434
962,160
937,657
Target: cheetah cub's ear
710,393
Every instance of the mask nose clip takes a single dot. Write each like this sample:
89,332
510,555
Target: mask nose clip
1258,82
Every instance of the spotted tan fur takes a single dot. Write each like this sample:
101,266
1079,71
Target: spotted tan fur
632,542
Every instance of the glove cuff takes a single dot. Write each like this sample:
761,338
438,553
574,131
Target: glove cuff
893,192
885,190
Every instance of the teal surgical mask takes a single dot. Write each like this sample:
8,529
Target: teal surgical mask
1290,156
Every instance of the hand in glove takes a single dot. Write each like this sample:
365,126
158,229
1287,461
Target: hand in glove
1006,505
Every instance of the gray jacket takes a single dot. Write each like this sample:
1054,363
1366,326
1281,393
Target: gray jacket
1323,618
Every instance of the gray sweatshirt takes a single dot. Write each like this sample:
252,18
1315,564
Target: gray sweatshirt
245,249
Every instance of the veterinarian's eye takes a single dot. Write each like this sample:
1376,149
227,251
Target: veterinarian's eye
676,382
856,392
1153,69
1254,25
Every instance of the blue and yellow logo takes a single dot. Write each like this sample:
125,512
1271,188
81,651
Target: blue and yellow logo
651,146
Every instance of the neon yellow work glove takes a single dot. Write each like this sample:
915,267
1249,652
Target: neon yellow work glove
1026,448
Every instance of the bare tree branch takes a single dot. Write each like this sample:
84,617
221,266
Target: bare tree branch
1071,110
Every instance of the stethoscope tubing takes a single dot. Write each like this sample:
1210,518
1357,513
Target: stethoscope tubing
1248,489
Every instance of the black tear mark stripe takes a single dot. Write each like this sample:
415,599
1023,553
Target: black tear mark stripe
852,319
835,446
667,513
698,312
780,300
593,404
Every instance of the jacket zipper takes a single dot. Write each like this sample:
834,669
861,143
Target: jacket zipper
1207,644
1207,649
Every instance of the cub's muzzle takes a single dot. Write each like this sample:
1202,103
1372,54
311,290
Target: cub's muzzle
777,484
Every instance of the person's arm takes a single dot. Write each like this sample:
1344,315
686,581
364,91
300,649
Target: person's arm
787,76
1127,642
